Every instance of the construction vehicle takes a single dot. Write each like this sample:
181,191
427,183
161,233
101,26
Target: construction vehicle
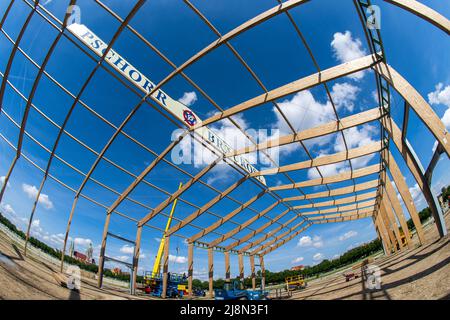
153,281
235,290
295,282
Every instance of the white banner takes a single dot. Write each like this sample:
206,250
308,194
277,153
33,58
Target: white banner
176,108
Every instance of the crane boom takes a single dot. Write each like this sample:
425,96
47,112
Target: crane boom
157,264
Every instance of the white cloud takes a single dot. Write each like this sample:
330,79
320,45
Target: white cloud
177,259
8,209
32,193
188,98
122,258
83,242
348,235
307,241
417,195
345,49
2,181
127,249
318,256
344,95
441,95
297,260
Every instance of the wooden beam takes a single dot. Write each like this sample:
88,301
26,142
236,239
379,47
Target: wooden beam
240,227
295,86
223,220
258,230
190,268
345,214
252,270
283,241
165,266
210,272
324,160
318,131
405,194
392,196
356,205
177,193
351,199
416,169
206,207
136,253
227,265
424,12
241,266
275,239
263,272
417,102
270,234
382,232
337,192
345,218
344,176
387,212
387,225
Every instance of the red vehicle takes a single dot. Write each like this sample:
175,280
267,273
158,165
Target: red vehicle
350,276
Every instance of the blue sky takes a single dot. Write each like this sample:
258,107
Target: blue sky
416,49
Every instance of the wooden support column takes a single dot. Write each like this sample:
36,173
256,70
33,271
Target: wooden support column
384,236
101,260
137,248
389,215
386,224
165,266
210,272
190,267
241,266
405,194
227,265
252,270
392,196
263,272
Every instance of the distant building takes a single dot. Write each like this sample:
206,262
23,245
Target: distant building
79,256
298,268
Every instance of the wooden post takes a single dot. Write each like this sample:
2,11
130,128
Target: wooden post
241,267
406,196
210,272
252,270
263,272
227,265
392,195
137,248
386,207
165,267
101,260
384,236
385,222
190,267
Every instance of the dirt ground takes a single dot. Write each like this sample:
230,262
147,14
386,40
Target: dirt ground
420,273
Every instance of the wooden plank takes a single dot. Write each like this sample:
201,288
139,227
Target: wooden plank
354,198
388,228
165,266
324,160
227,265
349,213
424,12
206,207
241,266
190,268
258,230
337,192
384,237
353,206
403,189
395,203
177,193
345,218
284,241
242,226
417,102
226,218
136,253
387,209
318,131
347,175
263,272
270,234
253,273
210,272
295,86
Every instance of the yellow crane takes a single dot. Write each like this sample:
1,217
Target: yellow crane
157,264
